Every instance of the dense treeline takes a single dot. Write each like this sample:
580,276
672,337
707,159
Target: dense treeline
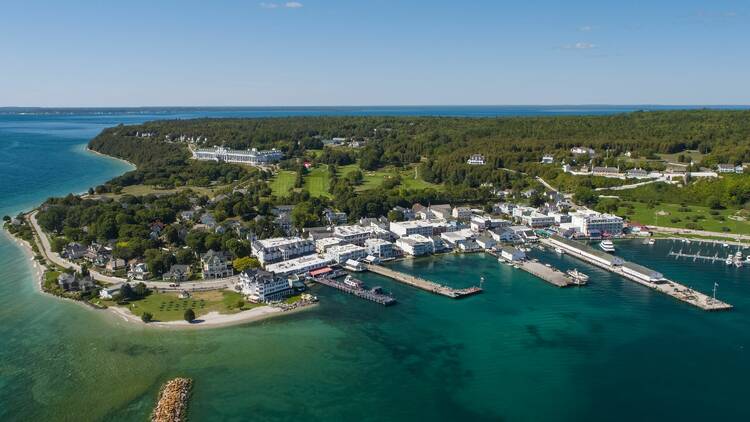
730,191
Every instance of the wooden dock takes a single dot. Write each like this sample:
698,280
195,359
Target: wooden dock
423,284
669,287
551,275
379,298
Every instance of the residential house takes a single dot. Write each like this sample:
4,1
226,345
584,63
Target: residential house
139,271
177,273
476,160
216,265
74,282
73,250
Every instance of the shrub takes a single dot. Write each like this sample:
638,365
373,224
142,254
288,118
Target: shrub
147,317
189,315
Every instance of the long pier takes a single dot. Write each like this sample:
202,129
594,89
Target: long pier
382,299
423,284
549,274
698,256
617,265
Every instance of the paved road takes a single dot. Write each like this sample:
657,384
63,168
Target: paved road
54,257
700,232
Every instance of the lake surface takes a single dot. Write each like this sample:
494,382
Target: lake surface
522,350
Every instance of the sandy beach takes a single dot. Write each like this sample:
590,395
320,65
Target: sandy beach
211,319
28,252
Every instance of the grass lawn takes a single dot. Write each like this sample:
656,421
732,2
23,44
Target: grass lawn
140,190
283,182
50,279
168,307
317,181
674,215
689,154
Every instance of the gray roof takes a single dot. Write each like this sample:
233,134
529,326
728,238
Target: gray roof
648,272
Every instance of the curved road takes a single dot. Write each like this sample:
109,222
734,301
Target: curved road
54,257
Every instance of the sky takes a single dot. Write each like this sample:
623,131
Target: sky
320,52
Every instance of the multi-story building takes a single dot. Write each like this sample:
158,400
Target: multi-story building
264,286
461,213
281,248
215,265
322,245
252,156
415,245
357,235
379,247
537,219
343,253
299,265
476,160
586,221
408,228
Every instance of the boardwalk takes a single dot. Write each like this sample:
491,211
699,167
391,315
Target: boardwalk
424,284
361,293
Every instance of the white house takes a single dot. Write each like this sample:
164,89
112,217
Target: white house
476,160
511,254
415,245
548,159
216,265
264,286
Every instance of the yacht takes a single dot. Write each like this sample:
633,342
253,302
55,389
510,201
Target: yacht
559,251
607,246
353,282
651,241
578,277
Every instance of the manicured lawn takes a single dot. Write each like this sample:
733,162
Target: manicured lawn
317,181
50,279
674,215
168,307
140,190
283,183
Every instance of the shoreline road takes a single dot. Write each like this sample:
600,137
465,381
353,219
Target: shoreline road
55,258
677,230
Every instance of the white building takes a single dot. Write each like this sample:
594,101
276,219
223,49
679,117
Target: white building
299,265
281,248
408,228
587,220
357,235
583,250
476,160
461,239
485,242
264,286
322,245
512,254
560,218
461,213
252,156
379,248
641,272
548,159
537,219
343,253
581,151
415,245
216,265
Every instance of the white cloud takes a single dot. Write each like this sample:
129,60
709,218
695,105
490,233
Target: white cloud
269,5
287,5
579,46
585,28
293,5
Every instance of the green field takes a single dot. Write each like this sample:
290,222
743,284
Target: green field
168,307
689,154
317,181
695,217
140,190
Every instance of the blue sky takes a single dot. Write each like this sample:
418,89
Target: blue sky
318,52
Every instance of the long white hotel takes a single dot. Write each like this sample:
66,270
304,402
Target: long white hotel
252,156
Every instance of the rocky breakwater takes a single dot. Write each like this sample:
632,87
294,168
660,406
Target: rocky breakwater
173,401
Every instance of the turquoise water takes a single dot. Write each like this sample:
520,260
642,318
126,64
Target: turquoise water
522,350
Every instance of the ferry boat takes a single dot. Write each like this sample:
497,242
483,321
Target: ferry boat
353,282
578,277
607,246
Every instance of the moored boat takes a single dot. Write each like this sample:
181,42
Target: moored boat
607,246
577,276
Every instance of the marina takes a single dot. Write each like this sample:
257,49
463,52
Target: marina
545,272
638,273
356,288
423,284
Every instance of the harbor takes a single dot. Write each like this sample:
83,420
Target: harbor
354,287
423,284
638,273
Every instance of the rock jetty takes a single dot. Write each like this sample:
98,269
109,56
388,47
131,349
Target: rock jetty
173,401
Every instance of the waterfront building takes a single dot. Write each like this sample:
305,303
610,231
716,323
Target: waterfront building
485,241
299,265
560,217
264,286
415,245
524,233
379,248
586,221
343,253
74,282
512,254
577,248
216,265
281,248
504,234
252,156
408,228
641,272
476,160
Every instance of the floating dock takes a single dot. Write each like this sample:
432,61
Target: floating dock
637,273
370,295
423,284
698,256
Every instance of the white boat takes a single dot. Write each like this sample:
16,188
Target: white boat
607,246
559,251
729,260
747,259
738,263
353,282
651,241
578,276
725,245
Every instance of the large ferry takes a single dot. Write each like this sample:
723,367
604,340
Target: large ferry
578,277
607,246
